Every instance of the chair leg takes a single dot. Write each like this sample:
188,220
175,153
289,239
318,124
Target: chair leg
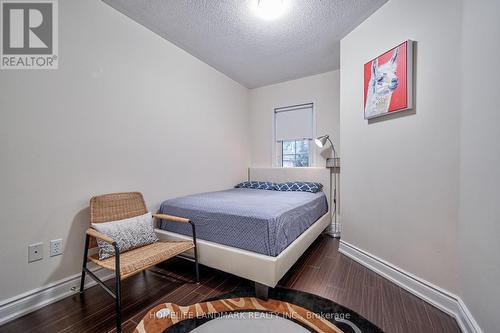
118,305
117,295
118,291
82,281
196,265
84,265
195,252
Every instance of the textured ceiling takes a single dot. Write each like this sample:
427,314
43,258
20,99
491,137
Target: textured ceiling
227,34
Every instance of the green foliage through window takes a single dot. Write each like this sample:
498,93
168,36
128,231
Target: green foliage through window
295,153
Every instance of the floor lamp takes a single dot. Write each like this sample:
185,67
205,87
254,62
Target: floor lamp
334,165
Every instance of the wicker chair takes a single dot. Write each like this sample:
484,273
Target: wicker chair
118,206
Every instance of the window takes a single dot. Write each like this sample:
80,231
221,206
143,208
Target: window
293,134
295,153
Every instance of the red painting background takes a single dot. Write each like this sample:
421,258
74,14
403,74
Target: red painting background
399,99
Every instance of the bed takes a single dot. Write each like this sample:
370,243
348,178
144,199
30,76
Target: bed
262,221
254,234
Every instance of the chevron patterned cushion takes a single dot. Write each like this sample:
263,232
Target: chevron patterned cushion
299,186
257,185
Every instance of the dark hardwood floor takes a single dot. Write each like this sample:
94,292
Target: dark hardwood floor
322,270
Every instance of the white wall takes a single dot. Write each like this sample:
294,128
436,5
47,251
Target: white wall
323,90
125,111
400,175
480,163
421,190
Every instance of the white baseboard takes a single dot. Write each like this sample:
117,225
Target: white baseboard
32,300
440,298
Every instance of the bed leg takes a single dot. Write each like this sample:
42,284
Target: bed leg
261,291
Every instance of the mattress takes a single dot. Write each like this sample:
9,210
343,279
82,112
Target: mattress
261,221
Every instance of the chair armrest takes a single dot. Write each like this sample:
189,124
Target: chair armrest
171,218
182,220
97,234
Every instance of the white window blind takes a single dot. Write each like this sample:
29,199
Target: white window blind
294,122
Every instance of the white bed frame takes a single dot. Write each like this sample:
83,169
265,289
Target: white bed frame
264,270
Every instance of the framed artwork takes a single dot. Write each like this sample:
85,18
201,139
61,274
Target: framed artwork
388,82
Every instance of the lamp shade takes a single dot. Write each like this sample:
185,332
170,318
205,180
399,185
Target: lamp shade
321,140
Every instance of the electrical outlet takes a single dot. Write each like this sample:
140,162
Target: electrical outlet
35,252
56,247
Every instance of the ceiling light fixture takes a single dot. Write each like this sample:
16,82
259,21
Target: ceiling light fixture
270,9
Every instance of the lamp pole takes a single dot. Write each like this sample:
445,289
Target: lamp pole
336,233
333,148
334,170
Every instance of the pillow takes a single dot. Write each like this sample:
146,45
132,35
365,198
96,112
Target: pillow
128,234
257,185
299,186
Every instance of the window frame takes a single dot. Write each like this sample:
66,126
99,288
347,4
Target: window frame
295,154
277,153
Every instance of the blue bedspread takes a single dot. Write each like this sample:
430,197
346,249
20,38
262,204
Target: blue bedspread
256,220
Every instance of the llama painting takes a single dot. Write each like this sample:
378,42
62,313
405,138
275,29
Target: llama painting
388,82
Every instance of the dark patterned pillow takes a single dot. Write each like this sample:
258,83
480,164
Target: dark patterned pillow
299,187
257,185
